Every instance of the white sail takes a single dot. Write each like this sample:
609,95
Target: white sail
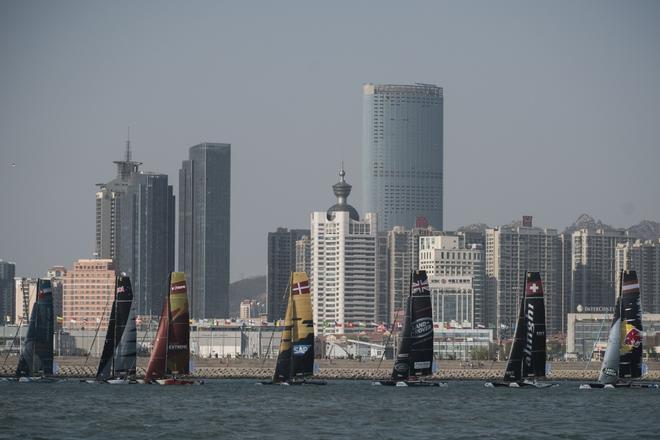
609,371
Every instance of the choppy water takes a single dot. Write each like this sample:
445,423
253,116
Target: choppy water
342,409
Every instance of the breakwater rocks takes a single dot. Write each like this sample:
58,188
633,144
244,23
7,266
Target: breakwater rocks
336,373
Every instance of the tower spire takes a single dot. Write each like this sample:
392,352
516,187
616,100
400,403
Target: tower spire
128,145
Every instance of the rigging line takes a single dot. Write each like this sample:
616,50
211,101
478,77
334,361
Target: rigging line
591,355
98,327
396,317
272,333
20,324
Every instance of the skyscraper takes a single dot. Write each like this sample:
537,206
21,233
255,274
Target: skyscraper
402,154
343,279
146,250
281,262
7,291
108,213
204,214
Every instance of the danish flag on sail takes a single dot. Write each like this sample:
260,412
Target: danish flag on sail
300,288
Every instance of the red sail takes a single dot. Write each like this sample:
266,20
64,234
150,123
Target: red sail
158,359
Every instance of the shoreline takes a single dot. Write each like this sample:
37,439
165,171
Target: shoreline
340,369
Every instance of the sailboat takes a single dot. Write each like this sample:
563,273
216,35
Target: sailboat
527,357
170,357
623,356
414,361
295,361
118,360
36,359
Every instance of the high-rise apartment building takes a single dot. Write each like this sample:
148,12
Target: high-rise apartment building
281,262
402,258
88,292
343,278
402,154
593,274
452,298
642,256
511,251
204,216
147,239
26,296
7,291
304,254
457,274
108,210
56,275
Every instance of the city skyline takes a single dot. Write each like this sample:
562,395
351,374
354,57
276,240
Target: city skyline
567,110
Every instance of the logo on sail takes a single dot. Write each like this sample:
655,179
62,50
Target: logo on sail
633,336
422,327
300,349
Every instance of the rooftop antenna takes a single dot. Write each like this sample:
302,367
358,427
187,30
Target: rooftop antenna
128,145
342,173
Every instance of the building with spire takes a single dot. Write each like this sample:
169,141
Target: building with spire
343,262
108,210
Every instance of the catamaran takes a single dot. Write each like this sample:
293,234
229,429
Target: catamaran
623,356
414,361
295,360
170,357
36,360
527,361
118,361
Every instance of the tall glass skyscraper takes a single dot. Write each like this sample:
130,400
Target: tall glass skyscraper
204,213
402,154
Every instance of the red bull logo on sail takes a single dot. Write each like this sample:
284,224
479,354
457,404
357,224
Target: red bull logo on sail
633,337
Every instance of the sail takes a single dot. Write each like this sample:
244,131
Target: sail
104,371
126,334
178,345
302,332
528,350
630,360
37,354
609,370
283,364
156,368
119,350
415,356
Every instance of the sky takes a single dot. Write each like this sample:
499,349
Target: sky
551,109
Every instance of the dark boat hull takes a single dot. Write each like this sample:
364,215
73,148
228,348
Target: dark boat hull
520,384
295,382
596,385
409,383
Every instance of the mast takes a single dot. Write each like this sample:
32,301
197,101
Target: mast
514,365
630,360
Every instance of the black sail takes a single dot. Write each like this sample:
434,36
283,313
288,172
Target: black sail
37,353
630,360
528,350
415,356
119,350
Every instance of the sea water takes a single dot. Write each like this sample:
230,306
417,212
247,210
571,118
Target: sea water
340,410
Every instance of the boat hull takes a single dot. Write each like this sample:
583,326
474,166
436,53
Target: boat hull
173,381
520,384
596,385
294,382
409,383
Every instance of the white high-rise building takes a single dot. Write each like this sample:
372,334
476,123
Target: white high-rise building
449,268
644,258
343,274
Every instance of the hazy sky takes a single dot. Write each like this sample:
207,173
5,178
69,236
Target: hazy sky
551,108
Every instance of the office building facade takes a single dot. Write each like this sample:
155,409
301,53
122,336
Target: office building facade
7,292
402,154
281,262
147,239
87,294
204,228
